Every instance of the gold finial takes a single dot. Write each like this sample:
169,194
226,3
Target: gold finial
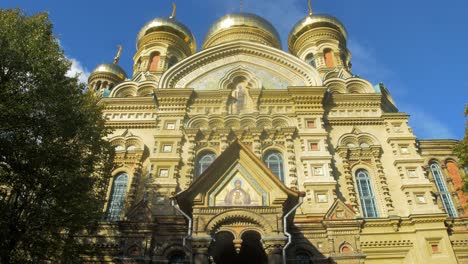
310,8
174,8
119,52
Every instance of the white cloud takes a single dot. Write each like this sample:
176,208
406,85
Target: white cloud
77,68
427,126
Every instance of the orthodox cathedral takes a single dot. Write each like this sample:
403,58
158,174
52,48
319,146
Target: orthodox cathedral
242,152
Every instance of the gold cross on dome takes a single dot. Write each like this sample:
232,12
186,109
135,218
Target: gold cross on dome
174,9
310,7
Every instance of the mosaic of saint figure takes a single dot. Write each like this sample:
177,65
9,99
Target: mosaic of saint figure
237,196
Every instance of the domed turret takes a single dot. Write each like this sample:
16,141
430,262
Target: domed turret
170,25
242,26
321,41
107,75
161,43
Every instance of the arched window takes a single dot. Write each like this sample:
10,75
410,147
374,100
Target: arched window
366,194
154,61
346,249
117,197
443,191
274,161
119,148
98,85
328,55
203,162
310,59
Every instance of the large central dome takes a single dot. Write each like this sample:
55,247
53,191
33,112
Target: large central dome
242,26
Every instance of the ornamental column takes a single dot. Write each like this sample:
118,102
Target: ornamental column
200,247
274,249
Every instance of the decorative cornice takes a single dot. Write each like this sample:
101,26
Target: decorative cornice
131,124
387,243
351,121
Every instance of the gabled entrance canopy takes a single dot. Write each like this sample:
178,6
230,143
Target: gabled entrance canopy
237,179
238,204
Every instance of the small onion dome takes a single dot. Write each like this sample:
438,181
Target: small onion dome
315,21
109,68
168,25
242,26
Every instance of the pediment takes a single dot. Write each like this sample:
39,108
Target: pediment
339,211
237,178
274,68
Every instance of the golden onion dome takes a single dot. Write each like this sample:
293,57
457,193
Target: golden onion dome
315,21
168,25
242,26
110,68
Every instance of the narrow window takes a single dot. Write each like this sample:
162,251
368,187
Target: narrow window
274,161
310,59
203,162
443,191
154,61
117,197
369,207
328,55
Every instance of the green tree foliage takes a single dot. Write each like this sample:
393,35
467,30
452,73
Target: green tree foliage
462,151
53,158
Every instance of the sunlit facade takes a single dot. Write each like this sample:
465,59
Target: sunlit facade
242,152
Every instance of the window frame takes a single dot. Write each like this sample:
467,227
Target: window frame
115,207
444,193
202,155
311,121
316,143
280,164
367,201
167,144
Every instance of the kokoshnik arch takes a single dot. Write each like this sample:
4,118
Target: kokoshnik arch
240,152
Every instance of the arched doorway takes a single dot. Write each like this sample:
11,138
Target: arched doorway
251,251
222,249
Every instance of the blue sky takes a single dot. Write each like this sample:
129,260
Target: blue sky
418,48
